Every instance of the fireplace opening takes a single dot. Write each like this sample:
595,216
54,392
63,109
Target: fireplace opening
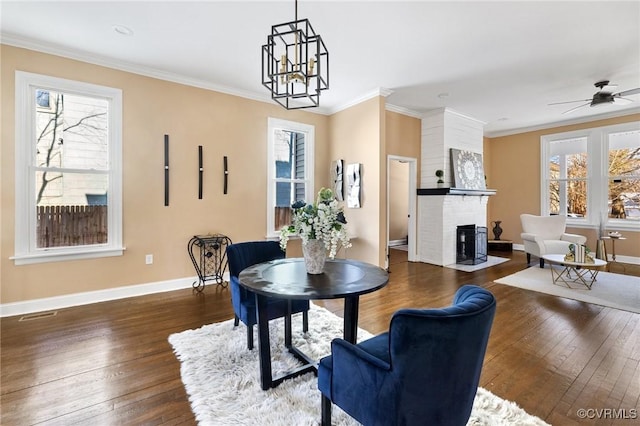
471,244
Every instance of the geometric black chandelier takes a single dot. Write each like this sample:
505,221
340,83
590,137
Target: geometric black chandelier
295,64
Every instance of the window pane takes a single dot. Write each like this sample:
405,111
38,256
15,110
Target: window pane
554,167
282,216
72,133
567,169
624,175
577,199
283,153
71,209
299,155
554,197
577,165
624,199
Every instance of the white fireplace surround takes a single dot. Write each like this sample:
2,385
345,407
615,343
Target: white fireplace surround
440,215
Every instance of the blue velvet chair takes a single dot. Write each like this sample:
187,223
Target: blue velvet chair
424,371
242,255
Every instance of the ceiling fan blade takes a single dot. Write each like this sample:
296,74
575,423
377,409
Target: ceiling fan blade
578,107
619,100
628,92
569,102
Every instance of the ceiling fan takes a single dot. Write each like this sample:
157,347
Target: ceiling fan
603,96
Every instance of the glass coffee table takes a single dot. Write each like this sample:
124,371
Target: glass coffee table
584,273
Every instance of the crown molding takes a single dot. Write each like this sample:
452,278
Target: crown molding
57,50
403,111
380,91
580,120
451,111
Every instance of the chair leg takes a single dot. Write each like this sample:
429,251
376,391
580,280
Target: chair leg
250,337
326,411
541,262
305,321
236,320
528,258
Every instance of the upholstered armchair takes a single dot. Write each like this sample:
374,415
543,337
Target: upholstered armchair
545,235
242,255
424,371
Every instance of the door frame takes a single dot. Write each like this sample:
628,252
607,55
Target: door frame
412,192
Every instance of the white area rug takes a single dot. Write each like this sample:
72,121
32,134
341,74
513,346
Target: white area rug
221,377
612,290
491,261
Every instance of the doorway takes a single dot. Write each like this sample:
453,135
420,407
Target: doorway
401,204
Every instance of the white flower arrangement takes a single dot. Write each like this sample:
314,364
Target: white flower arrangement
323,220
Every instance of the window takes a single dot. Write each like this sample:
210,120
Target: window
290,170
68,170
593,176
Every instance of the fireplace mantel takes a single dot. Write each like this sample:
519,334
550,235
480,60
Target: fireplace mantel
456,191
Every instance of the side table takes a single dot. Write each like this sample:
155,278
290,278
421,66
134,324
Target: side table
500,245
212,258
601,250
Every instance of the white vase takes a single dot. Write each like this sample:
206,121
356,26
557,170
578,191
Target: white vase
315,254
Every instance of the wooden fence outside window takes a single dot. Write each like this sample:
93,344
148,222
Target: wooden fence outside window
60,226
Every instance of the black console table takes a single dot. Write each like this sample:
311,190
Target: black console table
211,260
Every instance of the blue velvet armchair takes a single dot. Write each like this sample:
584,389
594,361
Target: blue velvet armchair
242,255
424,371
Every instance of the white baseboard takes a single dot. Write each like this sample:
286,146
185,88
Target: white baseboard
85,298
397,242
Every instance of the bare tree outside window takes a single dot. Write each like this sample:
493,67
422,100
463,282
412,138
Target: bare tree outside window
569,177
624,176
71,169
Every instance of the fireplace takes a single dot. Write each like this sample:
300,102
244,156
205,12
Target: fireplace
471,244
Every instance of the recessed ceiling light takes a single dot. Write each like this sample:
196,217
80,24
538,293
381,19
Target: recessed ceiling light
123,30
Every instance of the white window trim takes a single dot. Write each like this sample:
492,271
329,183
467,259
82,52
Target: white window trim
597,152
309,149
25,250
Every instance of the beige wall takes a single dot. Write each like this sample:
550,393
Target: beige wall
403,139
223,124
234,127
514,170
356,137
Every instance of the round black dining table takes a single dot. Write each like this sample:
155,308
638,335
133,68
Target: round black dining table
288,279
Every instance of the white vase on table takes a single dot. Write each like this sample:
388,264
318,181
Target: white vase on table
315,255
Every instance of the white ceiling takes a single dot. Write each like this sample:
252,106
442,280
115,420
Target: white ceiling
499,62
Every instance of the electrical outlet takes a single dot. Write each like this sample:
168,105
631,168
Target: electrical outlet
148,259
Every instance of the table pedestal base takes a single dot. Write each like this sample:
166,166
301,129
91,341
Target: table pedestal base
309,365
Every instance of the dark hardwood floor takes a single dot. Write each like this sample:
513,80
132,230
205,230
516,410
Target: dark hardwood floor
111,364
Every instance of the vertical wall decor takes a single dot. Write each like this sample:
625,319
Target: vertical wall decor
336,178
353,183
166,170
200,172
226,174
